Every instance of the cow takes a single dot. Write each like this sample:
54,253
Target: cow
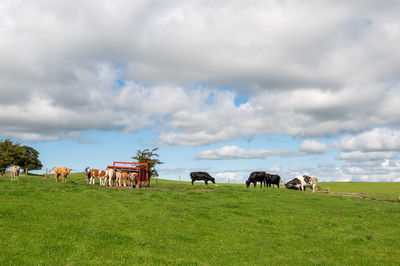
110,176
300,182
273,180
87,173
133,178
100,174
102,177
118,177
94,173
198,176
15,172
125,175
61,170
257,177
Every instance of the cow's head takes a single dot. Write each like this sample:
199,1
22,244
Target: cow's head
294,184
212,179
247,183
69,170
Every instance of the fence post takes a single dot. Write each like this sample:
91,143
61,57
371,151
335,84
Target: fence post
328,190
228,180
46,172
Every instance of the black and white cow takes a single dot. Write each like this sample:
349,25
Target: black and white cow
255,177
273,180
198,176
300,182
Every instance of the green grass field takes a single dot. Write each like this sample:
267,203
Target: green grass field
43,222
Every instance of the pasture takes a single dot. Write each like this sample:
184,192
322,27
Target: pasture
43,222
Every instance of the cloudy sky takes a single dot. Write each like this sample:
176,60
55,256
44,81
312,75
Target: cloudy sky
227,87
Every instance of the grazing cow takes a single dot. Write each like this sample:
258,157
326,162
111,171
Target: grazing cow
273,180
15,172
201,176
87,173
257,177
61,170
300,182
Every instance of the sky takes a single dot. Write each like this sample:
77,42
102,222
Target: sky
227,87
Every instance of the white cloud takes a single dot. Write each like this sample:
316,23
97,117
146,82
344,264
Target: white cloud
234,152
129,65
359,155
312,146
377,139
224,176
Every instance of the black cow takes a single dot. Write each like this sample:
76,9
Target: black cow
201,176
257,177
293,184
273,180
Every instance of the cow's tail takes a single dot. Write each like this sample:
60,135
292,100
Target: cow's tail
52,169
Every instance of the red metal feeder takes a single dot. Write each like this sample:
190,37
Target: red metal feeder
141,168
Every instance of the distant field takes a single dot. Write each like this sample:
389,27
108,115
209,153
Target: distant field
43,222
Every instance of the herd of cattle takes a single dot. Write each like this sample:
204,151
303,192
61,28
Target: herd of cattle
300,182
113,177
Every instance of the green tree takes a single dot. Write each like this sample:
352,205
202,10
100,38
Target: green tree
150,157
10,153
30,159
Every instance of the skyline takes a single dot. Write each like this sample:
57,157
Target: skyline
229,87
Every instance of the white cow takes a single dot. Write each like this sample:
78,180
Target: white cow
15,172
110,176
300,182
118,176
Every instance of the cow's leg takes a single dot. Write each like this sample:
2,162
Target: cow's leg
192,181
205,182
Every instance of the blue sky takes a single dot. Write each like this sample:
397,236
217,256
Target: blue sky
226,87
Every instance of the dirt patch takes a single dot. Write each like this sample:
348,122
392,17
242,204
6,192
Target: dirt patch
363,196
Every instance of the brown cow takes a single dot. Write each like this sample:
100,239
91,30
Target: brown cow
61,170
133,178
125,175
96,173
102,177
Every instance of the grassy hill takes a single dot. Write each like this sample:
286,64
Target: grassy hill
43,222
